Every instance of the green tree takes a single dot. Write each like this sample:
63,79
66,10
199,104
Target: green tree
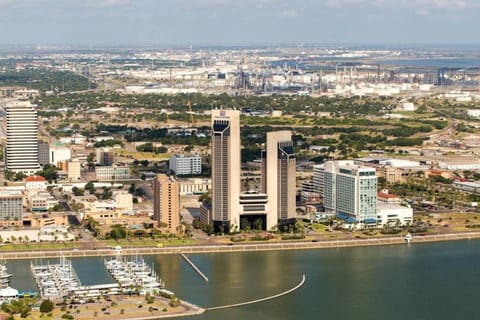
46,306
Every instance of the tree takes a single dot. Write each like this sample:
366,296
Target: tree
9,174
132,188
90,162
46,306
19,176
90,187
77,192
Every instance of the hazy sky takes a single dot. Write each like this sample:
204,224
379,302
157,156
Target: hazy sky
111,22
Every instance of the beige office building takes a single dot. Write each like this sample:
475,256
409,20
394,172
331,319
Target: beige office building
166,202
73,170
226,169
278,177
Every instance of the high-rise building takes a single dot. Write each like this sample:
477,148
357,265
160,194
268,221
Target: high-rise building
166,202
350,191
225,160
105,156
317,179
185,165
278,177
43,152
21,152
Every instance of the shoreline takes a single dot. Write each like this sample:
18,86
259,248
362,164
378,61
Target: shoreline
238,247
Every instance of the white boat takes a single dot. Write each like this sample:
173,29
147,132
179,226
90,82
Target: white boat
408,238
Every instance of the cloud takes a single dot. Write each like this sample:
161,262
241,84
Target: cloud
289,13
415,4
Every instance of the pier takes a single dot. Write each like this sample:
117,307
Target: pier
194,266
260,300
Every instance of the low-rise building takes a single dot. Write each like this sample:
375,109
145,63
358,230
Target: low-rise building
11,206
58,154
393,214
35,183
385,196
114,172
194,186
73,170
123,201
40,201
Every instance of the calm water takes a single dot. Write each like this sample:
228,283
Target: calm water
428,281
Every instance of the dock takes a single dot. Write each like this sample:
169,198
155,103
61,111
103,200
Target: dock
134,273
56,281
194,266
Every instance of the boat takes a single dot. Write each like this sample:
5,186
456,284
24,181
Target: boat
408,238
4,276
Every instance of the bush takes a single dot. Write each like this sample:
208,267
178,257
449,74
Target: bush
46,306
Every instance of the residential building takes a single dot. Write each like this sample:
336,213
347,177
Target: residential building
166,202
11,206
21,152
186,165
278,177
225,160
114,172
105,156
350,191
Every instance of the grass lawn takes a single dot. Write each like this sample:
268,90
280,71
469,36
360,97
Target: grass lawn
38,246
144,155
148,242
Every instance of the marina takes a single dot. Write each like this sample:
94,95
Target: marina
59,281
133,275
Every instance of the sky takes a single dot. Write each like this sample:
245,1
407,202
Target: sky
230,22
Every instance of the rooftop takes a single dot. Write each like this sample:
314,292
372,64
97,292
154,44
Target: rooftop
34,178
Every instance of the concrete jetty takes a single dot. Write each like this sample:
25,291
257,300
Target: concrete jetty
260,300
194,266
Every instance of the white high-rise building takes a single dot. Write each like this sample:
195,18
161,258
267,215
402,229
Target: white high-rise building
278,177
350,191
185,165
226,169
21,152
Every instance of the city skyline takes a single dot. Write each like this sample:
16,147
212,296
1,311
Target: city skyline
226,22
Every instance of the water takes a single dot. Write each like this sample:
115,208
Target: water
426,281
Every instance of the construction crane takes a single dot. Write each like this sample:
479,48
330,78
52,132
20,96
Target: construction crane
191,121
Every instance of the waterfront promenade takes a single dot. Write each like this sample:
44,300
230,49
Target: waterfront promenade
252,246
